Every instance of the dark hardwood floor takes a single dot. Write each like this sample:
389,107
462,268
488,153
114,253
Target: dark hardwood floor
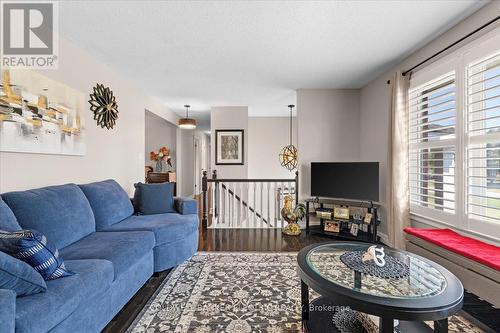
272,240
267,240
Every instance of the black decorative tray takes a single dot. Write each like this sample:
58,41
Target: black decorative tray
393,269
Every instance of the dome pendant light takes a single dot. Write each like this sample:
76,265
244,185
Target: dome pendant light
288,155
187,123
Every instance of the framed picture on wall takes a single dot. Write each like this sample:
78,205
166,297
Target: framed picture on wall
229,147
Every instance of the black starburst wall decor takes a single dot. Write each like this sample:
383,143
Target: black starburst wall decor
103,104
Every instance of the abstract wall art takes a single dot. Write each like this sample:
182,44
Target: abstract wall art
40,115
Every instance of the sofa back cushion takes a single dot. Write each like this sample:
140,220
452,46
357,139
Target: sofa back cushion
8,221
62,213
109,202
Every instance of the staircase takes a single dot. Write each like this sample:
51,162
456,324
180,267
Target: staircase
245,203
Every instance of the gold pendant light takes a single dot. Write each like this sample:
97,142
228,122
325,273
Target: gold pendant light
187,123
288,155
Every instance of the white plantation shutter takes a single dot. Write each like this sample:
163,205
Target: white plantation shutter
454,139
433,144
483,129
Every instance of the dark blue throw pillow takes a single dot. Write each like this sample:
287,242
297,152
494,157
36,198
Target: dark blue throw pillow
32,247
154,198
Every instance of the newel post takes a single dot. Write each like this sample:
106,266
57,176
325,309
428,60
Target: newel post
216,194
297,187
204,188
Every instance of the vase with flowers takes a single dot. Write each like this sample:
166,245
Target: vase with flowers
161,157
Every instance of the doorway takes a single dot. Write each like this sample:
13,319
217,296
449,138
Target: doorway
197,166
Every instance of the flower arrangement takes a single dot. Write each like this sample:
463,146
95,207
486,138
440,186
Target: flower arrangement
163,155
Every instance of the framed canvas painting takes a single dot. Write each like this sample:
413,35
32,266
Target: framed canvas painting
229,147
39,115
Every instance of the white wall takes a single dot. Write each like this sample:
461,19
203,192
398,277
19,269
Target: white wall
229,117
266,137
160,133
375,96
116,153
328,130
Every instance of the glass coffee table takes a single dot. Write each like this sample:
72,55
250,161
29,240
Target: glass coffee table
428,292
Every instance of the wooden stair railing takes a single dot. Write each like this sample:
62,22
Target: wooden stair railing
245,203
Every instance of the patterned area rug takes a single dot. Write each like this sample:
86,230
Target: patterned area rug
234,292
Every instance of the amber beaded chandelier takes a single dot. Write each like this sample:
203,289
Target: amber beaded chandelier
288,155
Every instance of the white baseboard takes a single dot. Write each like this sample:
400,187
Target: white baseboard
383,238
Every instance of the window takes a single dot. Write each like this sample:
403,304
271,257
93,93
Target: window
433,144
483,125
454,139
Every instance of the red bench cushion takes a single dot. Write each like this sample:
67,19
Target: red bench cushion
473,249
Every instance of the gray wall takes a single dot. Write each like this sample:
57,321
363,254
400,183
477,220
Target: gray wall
266,137
229,117
375,96
328,130
159,133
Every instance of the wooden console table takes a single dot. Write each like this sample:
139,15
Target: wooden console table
162,177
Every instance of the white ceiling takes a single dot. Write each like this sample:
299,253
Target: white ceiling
256,53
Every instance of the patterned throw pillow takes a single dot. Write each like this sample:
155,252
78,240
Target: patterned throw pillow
31,247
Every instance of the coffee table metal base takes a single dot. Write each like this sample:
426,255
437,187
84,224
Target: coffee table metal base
316,318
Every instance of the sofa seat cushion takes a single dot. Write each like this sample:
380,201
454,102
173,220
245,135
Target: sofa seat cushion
41,312
121,248
109,202
8,221
481,252
62,213
167,227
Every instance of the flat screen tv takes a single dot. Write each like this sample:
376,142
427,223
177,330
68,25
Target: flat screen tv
345,180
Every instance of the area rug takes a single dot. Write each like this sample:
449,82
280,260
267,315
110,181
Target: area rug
234,292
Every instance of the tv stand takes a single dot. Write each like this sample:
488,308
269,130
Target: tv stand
370,236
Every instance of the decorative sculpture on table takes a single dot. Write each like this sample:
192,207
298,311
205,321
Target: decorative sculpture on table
160,157
103,105
376,254
292,216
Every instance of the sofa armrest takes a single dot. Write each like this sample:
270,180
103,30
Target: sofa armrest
7,310
185,206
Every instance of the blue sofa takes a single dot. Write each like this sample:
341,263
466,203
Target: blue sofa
111,251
